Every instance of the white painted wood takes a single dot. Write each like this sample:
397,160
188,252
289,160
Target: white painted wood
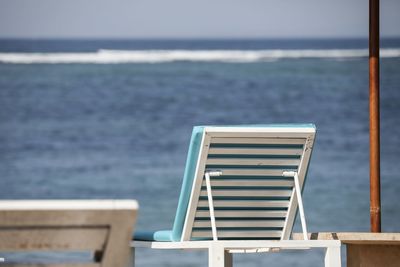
242,214
256,151
255,162
239,234
275,131
300,203
302,170
211,207
216,256
252,182
251,172
289,218
250,250
238,137
219,257
241,223
102,226
246,203
195,192
260,134
240,244
262,141
332,257
246,193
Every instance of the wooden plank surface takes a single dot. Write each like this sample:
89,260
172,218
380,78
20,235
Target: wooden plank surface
241,223
252,162
239,234
251,182
265,141
242,214
237,133
256,151
354,237
248,193
373,255
246,203
252,172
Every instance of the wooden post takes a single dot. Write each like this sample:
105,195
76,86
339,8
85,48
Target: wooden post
375,201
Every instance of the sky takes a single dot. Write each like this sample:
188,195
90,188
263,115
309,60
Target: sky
193,18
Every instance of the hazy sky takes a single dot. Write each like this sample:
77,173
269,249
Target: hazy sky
193,18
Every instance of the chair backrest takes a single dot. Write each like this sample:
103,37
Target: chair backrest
252,198
101,226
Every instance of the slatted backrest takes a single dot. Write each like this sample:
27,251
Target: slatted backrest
252,199
101,226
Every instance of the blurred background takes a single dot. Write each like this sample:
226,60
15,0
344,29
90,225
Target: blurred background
98,100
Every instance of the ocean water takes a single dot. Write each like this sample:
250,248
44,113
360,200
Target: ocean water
112,119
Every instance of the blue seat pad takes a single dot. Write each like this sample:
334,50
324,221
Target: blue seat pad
162,235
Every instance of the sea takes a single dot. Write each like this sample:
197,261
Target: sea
111,119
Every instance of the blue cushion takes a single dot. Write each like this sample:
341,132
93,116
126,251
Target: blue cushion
190,169
164,235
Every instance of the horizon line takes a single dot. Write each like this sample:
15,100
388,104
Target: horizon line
190,38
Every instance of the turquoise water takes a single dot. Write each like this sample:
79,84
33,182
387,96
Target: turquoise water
122,130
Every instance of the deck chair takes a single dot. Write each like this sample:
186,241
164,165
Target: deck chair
103,227
241,192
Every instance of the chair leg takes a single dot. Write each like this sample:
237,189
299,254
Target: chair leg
131,261
332,257
219,257
228,259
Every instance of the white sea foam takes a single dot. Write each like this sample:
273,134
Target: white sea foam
160,56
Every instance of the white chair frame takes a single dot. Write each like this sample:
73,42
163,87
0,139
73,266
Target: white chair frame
220,251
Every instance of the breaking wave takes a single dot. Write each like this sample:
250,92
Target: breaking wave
160,56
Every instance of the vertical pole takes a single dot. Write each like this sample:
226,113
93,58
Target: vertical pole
375,195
